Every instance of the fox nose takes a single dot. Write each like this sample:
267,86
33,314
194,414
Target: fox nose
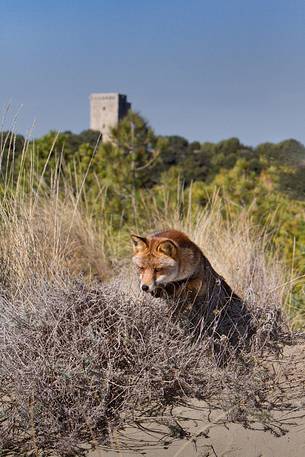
145,287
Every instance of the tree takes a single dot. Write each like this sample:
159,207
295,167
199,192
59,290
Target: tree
125,163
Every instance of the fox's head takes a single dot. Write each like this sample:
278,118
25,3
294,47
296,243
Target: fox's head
161,260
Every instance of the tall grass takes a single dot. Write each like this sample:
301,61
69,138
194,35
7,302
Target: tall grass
48,227
45,231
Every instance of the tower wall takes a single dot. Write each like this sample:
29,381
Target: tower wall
106,110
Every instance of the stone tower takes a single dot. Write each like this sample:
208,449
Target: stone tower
106,110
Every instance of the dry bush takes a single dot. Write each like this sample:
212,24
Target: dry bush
77,360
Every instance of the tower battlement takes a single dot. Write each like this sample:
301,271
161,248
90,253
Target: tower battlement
106,110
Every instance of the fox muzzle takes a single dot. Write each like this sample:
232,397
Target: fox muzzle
148,287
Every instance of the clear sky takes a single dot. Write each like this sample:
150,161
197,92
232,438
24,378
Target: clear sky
203,69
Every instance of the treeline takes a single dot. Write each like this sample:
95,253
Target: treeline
281,165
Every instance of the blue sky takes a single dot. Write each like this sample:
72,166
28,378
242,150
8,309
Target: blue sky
206,70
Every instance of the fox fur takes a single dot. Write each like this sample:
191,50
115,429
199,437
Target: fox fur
172,266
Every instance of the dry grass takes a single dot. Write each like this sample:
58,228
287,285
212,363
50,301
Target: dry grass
237,249
46,239
44,229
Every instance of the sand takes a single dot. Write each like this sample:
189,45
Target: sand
208,433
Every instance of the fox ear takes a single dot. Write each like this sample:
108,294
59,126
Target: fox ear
139,243
168,248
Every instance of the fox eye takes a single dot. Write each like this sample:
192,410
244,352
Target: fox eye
158,270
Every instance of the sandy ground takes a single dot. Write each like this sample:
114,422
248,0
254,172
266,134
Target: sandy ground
209,438
208,434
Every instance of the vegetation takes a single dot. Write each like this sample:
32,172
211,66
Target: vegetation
81,351
140,172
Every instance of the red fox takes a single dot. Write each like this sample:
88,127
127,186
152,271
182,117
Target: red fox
170,257
170,265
